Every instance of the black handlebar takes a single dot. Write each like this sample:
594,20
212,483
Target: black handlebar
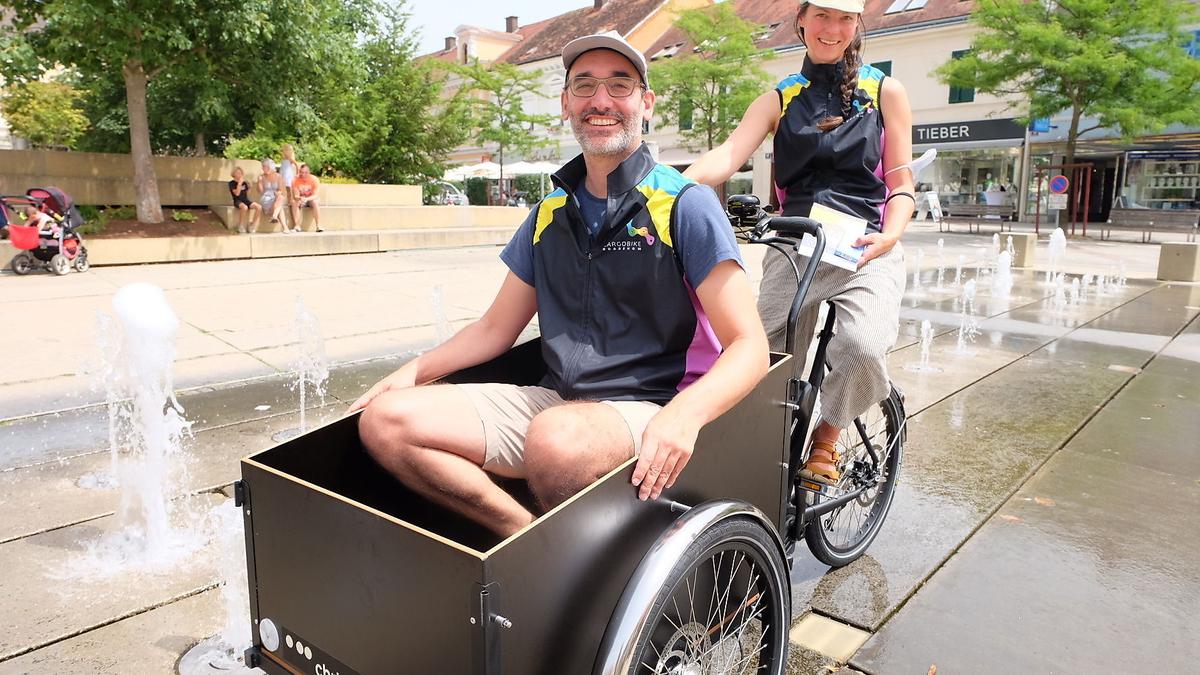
753,222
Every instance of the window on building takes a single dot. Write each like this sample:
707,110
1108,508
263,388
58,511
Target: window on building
903,6
961,94
885,66
767,31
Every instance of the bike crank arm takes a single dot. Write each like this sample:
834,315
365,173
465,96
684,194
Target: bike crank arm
821,508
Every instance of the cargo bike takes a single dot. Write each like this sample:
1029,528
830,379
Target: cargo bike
350,573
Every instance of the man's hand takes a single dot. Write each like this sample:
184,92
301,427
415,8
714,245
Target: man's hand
401,379
877,244
667,446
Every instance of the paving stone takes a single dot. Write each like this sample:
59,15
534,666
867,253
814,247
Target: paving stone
147,644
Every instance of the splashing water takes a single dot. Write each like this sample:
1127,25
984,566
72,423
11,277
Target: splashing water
224,652
1058,246
923,366
958,270
941,254
1060,294
440,322
995,249
1011,248
146,432
968,326
312,367
1087,283
1074,293
1003,282
920,259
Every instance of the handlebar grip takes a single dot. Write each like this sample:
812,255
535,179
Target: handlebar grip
794,226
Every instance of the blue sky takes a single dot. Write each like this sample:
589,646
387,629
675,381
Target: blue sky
437,19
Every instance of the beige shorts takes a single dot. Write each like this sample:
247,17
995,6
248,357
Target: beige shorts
506,411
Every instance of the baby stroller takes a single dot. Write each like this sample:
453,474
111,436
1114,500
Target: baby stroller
59,251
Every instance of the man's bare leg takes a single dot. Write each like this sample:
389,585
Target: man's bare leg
424,437
569,447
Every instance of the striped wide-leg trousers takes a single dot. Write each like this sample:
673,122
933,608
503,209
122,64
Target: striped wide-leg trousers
867,324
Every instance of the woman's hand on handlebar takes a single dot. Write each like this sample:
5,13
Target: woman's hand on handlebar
667,445
876,245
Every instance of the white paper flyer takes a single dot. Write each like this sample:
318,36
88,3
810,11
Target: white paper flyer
841,231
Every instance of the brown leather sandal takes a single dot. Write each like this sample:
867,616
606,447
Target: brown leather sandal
821,466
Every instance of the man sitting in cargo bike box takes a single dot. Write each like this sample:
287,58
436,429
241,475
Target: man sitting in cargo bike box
647,319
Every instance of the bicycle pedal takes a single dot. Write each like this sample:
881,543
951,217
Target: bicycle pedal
827,491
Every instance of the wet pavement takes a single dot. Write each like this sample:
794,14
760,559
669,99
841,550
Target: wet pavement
1044,520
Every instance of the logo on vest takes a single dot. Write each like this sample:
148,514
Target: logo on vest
640,231
634,244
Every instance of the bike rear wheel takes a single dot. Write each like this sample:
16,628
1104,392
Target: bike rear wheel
841,536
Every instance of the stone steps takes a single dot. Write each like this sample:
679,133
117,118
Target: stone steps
392,217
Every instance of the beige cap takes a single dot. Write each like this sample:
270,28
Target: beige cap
610,40
855,6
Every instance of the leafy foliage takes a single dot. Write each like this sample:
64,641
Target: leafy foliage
477,191
1123,63
499,115
46,113
710,89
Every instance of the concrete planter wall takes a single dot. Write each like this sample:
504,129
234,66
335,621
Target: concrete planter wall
96,178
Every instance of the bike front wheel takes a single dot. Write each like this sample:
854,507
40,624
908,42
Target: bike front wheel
841,536
725,609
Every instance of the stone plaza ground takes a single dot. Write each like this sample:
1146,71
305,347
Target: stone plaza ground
1045,519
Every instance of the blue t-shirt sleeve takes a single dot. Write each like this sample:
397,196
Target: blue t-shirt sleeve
518,253
704,235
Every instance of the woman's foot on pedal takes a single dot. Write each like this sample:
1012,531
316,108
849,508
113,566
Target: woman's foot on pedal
821,466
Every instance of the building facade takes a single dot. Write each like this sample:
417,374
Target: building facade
984,154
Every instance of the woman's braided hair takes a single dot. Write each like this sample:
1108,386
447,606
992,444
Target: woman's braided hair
852,62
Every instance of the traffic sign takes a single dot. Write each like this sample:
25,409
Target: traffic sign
1059,185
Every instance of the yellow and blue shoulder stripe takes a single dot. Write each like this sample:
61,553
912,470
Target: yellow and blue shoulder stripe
869,80
550,203
788,89
661,187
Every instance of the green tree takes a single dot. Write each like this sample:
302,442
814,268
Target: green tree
141,41
405,128
45,113
1122,63
498,116
706,93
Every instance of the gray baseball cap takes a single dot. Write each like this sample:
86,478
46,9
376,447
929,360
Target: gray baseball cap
610,40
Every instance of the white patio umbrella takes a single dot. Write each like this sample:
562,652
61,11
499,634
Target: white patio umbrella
490,170
531,169
455,173
520,169
545,167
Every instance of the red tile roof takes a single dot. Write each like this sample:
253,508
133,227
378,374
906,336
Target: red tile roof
621,16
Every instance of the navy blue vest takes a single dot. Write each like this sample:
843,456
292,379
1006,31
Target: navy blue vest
617,317
841,168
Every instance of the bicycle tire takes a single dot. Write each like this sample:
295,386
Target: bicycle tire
670,645
819,534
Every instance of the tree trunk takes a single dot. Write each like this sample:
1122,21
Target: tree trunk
145,183
1073,134
201,149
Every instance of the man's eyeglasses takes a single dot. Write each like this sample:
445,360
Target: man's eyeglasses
618,87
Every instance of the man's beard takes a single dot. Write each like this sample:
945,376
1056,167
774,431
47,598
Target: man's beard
619,144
